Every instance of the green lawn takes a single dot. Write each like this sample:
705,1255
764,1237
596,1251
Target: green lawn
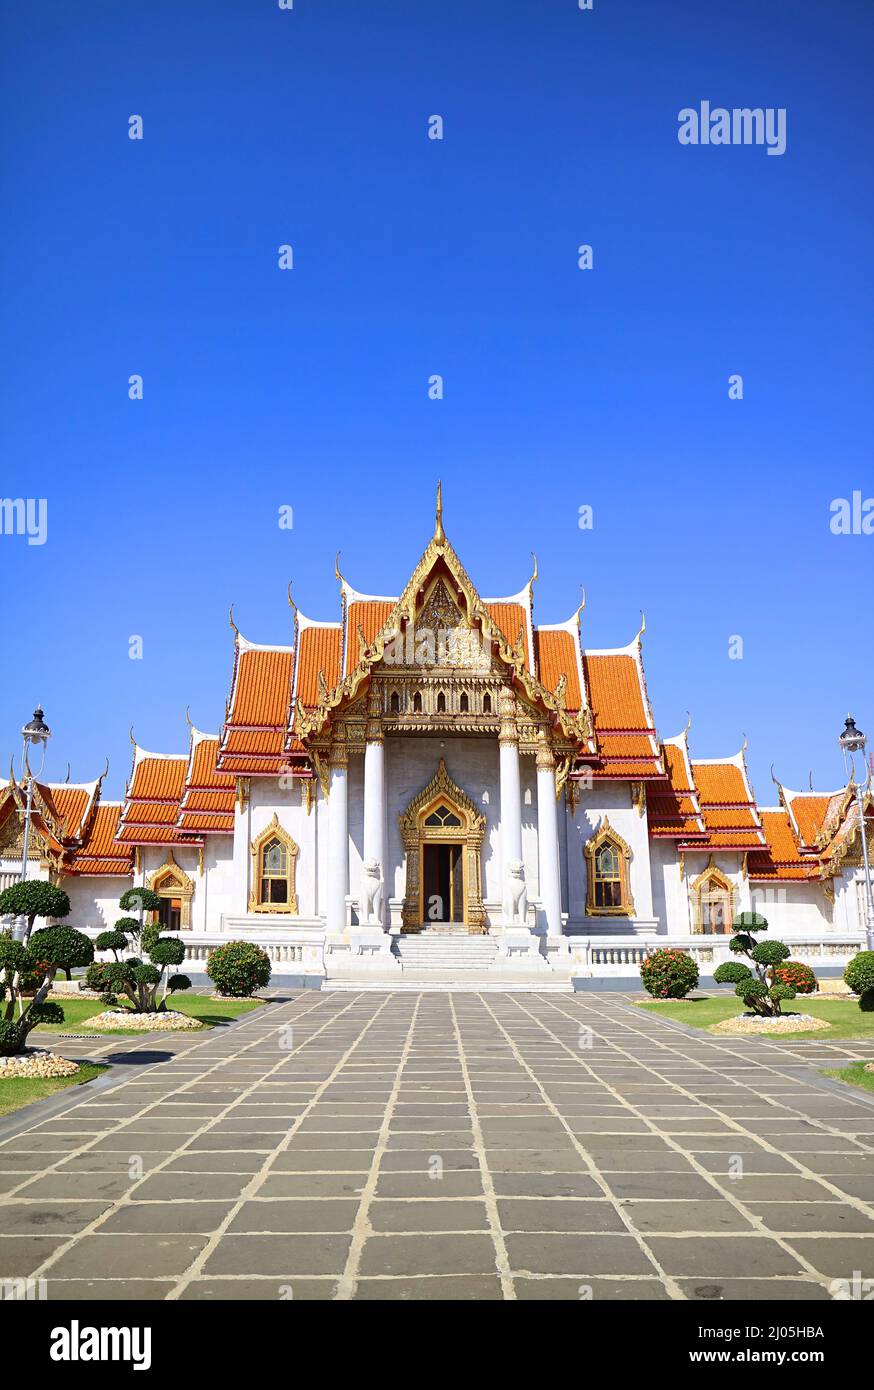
702,1011
210,1011
17,1091
855,1075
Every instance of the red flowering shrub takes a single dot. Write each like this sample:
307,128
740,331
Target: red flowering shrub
668,974
796,974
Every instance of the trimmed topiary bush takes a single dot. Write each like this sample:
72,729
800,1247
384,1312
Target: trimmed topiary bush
33,899
859,974
763,993
113,941
241,967
798,975
668,974
49,950
731,972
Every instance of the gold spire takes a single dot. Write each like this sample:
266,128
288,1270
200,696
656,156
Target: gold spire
439,533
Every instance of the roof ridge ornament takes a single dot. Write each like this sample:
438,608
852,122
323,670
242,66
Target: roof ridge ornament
688,723
536,575
439,533
642,627
291,603
231,623
131,736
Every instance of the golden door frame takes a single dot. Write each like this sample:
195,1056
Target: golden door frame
441,790
171,881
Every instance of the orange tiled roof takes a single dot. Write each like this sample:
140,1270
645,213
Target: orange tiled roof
624,733
151,806
69,806
319,648
259,704
207,805
371,615
100,852
727,805
556,654
511,619
782,859
672,807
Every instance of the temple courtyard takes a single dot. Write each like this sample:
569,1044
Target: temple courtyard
334,1145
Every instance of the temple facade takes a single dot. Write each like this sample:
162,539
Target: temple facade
437,765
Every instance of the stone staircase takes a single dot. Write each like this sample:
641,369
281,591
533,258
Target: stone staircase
450,952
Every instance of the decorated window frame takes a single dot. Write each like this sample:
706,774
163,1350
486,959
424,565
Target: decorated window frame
608,895
709,887
261,873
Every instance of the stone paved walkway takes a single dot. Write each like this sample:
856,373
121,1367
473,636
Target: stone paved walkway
446,1146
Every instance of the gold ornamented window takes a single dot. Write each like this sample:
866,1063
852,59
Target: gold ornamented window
274,860
442,816
712,902
608,887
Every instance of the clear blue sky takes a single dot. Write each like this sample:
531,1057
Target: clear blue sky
308,388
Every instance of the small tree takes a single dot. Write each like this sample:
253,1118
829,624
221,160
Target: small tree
31,899
138,900
50,950
142,982
760,990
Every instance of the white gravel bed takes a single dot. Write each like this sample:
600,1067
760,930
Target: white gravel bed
786,1023
34,1064
167,1022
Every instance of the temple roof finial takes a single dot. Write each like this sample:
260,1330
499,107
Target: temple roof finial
439,533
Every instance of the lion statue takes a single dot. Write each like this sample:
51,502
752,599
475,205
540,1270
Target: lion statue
515,895
370,911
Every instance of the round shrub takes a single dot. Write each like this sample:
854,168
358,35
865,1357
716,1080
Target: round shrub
770,953
46,1012
34,899
129,925
796,974
110,941
780,992
168,950
731,972
742,944
751,989
859,974
241,967
146,975
668,974
746,922
177,982
10,1038
13,956
64,947
109,999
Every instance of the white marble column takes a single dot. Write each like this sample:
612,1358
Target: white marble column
549,861
374,809
511,790
338,843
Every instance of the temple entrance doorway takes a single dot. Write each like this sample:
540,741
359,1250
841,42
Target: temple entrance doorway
443,884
